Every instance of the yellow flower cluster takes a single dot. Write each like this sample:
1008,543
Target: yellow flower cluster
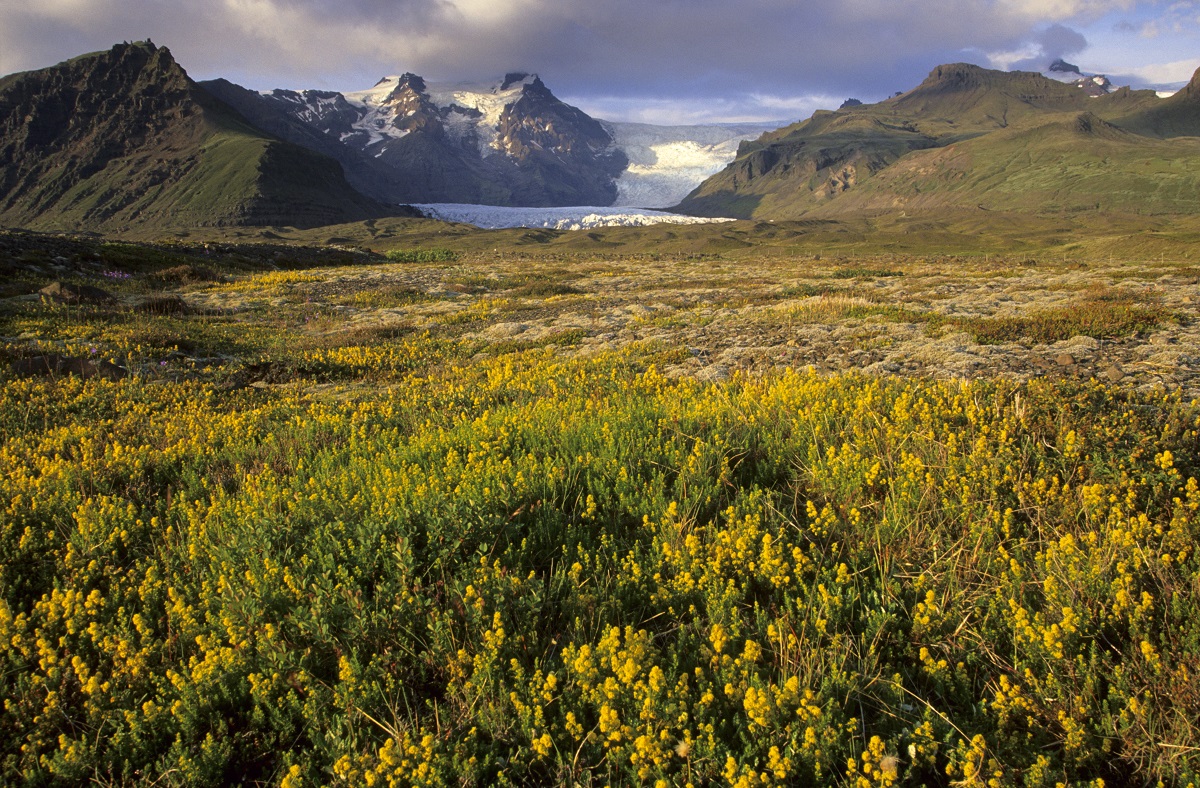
525,570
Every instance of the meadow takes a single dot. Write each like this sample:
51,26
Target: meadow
461,518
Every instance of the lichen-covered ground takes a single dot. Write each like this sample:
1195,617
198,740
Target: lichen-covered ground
1132,323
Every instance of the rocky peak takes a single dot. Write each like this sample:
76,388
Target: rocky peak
407,83
1192,90
122,136
513,77
957,75
1063,67
129,91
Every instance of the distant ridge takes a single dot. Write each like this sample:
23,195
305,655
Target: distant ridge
968,138
124,138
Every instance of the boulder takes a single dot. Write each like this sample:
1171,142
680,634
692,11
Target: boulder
67,293
53,365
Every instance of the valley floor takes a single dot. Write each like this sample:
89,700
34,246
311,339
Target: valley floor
960,318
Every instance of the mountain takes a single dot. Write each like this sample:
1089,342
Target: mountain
404,140
507,143
1071,164
1175,116
1092,84
124,137
969,137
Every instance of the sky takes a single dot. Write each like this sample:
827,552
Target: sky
654,61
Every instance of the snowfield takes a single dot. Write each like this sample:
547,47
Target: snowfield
492,217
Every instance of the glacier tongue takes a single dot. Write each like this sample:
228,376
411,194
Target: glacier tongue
667,162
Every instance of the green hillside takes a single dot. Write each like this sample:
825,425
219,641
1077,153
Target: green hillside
123,138
1066,165
965,138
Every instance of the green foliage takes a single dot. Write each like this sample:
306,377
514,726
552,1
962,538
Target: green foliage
360,552
421,255
855,272
789,579
1091,318
544,289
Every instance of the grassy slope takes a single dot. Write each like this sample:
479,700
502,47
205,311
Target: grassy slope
819,167
958,232
200,164
223,173
1068,165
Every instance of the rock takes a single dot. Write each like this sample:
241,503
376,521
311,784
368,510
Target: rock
1079,344
1114,373
505,330
1064,360
163,305
55,364
713,374
67,293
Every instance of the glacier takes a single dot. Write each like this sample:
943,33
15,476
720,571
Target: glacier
667,162
587,217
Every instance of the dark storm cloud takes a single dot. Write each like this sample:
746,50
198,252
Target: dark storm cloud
723,51
1056,41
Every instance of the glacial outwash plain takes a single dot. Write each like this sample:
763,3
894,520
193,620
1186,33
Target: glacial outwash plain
889,480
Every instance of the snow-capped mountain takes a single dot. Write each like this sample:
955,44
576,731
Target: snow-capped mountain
667,162
509,142
1093,84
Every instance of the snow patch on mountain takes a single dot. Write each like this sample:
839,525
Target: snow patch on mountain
1094,84
667,162
467,108
492,217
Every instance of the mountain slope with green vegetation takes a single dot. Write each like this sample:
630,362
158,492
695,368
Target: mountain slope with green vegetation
1068,165
969,137
124,138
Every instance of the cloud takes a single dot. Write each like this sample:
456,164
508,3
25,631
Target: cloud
684,51
1054,42
752,107
1172,74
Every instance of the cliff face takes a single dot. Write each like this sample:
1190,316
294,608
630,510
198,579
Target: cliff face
125,137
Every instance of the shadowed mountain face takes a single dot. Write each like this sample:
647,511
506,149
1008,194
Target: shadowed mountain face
122,138
511,143
972,138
